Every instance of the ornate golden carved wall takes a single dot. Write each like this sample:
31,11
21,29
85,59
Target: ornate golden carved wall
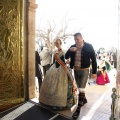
11,53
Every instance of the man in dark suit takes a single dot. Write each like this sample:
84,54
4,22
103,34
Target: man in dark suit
80,56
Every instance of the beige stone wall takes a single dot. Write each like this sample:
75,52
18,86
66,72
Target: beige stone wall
31,47
118,68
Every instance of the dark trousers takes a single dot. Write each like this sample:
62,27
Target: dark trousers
115,64
45,68
81,77
39,82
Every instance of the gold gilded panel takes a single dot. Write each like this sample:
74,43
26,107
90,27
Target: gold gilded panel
11,53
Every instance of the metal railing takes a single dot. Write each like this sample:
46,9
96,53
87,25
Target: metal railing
114,96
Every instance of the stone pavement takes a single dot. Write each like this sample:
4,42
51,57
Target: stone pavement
99,101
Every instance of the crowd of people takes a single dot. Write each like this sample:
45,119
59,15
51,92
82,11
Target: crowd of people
105,62
58,88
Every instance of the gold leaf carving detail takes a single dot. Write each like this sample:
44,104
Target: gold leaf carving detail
11,50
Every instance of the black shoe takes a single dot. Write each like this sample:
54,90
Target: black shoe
76,113
82,101
85,101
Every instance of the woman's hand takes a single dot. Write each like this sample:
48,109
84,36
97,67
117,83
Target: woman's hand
94,76
73,49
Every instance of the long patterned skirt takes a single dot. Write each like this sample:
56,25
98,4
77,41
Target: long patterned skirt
56,90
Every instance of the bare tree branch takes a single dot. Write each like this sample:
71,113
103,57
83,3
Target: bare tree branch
61,33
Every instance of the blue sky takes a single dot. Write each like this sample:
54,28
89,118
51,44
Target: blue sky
97,18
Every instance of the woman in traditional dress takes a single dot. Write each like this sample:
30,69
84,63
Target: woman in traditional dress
102,76
57,88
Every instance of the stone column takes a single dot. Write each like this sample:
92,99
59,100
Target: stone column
31,47
117,112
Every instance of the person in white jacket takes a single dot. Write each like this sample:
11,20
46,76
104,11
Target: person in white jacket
46,59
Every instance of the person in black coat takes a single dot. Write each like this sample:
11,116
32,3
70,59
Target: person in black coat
38,72
80,55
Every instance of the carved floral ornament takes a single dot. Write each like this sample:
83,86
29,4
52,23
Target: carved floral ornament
11,52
